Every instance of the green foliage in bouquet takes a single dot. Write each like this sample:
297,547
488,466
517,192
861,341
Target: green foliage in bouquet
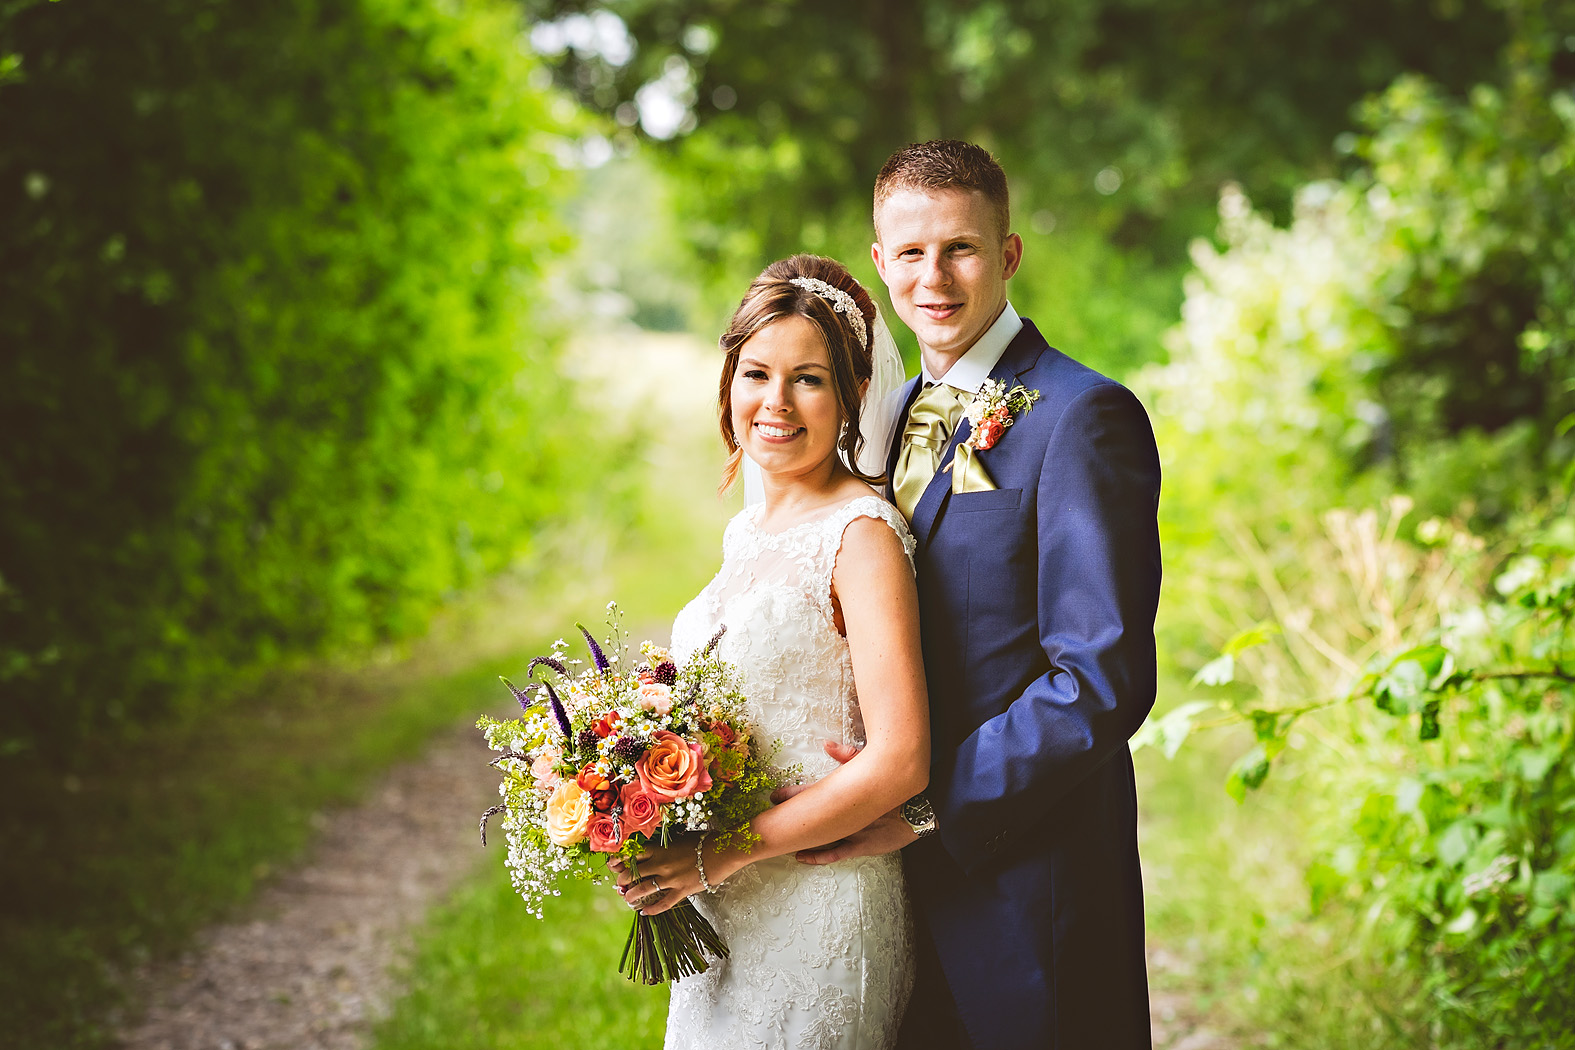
275,375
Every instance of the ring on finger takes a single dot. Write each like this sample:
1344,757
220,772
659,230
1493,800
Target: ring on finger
654,899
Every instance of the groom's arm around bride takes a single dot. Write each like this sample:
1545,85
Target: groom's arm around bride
1037,593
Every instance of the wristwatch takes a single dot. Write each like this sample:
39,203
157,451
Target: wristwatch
920,816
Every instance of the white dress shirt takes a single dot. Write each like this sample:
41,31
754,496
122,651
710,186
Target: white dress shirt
970,371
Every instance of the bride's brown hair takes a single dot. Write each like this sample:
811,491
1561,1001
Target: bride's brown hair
769,299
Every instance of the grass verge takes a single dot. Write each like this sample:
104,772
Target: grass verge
487,976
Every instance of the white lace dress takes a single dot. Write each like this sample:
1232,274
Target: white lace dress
821,956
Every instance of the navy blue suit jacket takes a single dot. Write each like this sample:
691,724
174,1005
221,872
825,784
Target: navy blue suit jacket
1037,605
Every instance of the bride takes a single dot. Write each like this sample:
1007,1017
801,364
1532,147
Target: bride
816,590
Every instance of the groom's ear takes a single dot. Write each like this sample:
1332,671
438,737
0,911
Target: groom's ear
1012,249
879,258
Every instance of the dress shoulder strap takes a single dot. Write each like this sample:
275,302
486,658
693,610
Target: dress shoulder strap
871,506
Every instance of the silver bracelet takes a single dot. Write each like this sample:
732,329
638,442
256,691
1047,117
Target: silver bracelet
700,864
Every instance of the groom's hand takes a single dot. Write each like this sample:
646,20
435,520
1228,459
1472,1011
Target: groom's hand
843,753
888,833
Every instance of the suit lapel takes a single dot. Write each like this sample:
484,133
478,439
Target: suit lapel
1022,353
910,393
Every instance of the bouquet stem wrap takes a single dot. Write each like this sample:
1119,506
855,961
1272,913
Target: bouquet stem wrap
669,946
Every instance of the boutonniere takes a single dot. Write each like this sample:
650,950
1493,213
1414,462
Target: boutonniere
992,411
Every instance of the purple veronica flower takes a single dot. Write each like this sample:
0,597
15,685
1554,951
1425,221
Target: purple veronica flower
550,662
558,712
519,694
596,651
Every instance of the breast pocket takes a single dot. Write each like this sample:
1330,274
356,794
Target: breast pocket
990,499
1002,582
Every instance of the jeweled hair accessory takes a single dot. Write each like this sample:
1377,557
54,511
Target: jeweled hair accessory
840,301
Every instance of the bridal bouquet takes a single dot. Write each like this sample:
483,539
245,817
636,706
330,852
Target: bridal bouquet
613,758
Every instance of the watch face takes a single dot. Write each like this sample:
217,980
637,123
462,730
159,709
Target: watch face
918,814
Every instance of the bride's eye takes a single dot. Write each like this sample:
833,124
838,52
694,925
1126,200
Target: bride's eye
811,380
754,373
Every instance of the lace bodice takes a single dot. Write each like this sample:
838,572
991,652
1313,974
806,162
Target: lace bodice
821,956
773,592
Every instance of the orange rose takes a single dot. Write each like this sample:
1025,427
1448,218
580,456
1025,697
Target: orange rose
605,835
673,768
641,812
568,814
990,432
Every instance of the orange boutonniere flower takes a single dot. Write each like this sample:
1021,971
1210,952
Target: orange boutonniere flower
993,410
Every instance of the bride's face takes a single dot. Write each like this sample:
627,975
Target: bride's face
784,401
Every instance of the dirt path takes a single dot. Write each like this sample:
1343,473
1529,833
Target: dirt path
307,966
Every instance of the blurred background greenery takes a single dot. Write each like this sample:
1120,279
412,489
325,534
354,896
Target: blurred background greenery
299,426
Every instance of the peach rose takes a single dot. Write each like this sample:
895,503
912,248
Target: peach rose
641,812
541,770
673,768
605,835
656,698
568,814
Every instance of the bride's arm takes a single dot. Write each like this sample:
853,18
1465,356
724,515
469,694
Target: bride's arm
880,608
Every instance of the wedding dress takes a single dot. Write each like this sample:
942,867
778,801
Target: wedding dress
821,956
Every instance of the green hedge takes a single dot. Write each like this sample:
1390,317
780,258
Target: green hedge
272,378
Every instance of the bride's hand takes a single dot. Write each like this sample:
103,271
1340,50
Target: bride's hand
667,876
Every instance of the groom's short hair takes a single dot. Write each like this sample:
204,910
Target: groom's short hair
946,164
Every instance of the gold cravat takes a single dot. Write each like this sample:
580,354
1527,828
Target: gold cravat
931,420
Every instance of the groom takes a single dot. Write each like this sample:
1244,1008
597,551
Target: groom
1038,574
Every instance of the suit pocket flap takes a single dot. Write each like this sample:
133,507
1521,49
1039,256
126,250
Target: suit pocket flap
992,499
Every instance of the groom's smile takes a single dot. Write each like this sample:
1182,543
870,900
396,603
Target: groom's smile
945,259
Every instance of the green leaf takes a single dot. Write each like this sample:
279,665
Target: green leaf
1464,922
1534,765
1429,728
1171,730
1457,841
1430,657
1399,687
1248,773
1250,637
1219,671
1265,724
1553,889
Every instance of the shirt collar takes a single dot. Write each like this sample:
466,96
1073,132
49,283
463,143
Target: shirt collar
974,367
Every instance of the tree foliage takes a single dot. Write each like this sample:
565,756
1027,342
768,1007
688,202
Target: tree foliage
272,379
1405,341
1131,112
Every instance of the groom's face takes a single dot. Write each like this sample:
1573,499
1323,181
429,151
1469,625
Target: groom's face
946,264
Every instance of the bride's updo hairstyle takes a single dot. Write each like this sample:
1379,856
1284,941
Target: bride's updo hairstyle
770,298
